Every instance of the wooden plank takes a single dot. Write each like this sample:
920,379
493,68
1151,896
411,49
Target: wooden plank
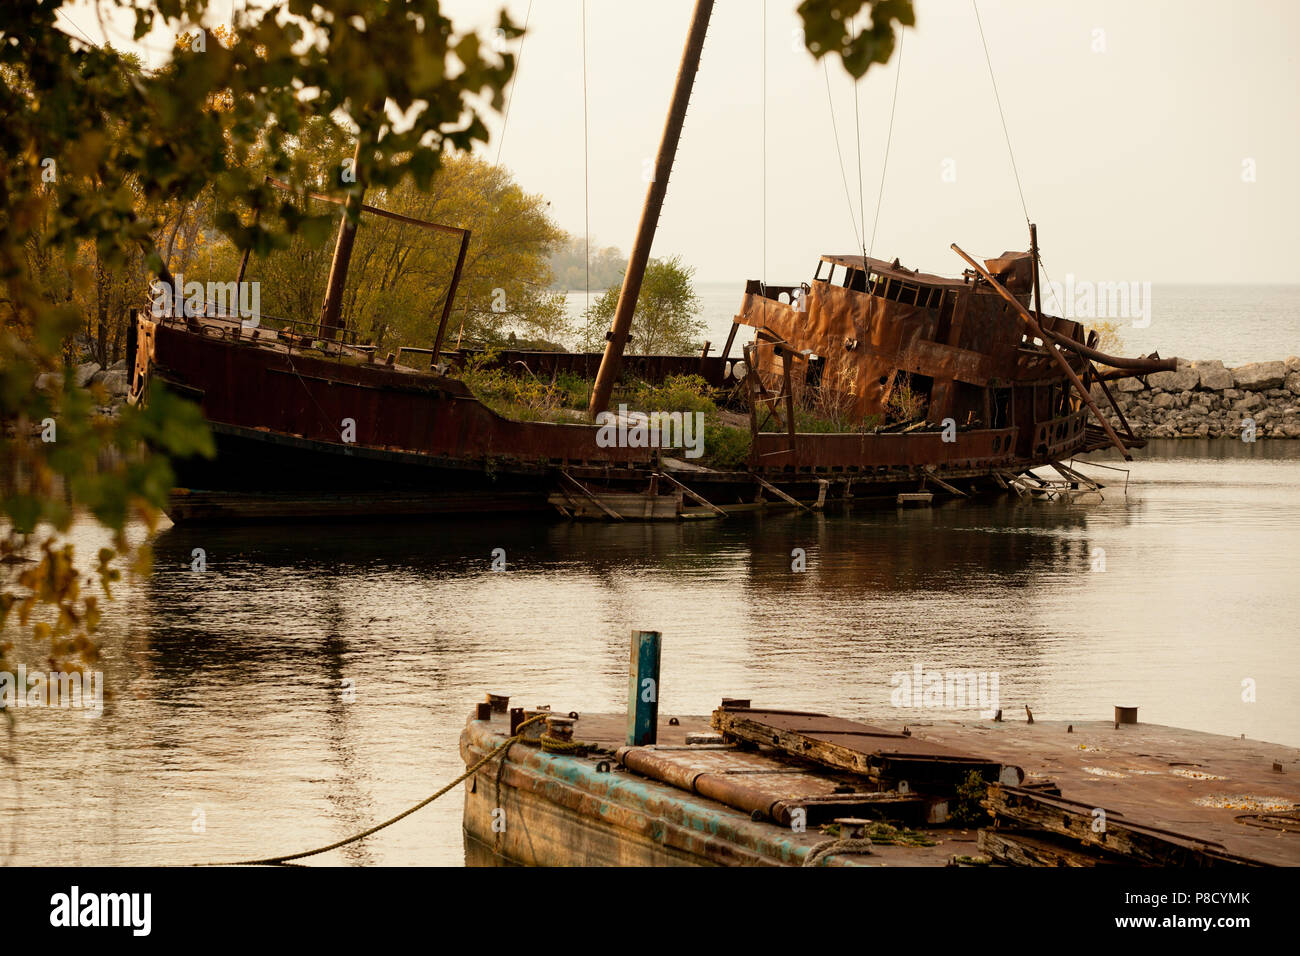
780,494
1029,848
626,506
929,471
1133,841
396,217
700,499
583,488
859,748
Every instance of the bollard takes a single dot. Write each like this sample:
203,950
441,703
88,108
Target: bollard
1126,715
532,734
643,689
560,728
499,702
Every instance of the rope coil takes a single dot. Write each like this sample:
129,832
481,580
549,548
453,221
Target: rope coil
832,847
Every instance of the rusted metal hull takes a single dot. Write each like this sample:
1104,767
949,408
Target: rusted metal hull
301,435
538,809
1171,797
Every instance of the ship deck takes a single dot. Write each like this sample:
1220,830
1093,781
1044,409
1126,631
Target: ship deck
1229,797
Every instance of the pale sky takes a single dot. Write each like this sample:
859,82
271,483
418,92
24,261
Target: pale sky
1135,124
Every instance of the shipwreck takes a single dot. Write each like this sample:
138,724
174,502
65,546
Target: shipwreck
937,386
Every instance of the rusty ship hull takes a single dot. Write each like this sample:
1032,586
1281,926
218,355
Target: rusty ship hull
308,432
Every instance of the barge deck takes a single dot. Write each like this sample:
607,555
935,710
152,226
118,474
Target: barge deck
1164,795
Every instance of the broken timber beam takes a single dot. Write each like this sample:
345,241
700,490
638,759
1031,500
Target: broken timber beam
951,489
599,504
1135,842
779,493
874,752
1028,848
692,495
1049,344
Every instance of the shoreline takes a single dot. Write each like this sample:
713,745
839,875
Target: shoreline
1207,400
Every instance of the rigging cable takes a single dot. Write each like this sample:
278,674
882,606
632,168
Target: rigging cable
857,131
848,198
889,138
1003,115
1010,152
586,178
514,83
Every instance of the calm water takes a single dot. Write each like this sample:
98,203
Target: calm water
228,683
1233,323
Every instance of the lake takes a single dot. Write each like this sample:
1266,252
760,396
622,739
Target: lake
1235,324
313,681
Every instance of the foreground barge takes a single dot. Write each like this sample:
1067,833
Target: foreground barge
1165,796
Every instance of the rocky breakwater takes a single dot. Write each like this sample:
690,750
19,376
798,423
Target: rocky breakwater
1209,400
112,382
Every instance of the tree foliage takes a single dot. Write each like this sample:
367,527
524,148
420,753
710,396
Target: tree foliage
98,157
573,269
832,27
666,320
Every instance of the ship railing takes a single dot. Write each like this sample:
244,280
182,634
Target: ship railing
294,334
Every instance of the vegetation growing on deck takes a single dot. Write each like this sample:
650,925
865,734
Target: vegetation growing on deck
886,834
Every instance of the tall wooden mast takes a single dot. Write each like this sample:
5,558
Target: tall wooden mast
332,306
616,339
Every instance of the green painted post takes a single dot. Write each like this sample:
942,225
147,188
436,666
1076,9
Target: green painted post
643,689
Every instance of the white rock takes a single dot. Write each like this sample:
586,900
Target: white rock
85,373
1214,377
115,382
1178,381
1259,376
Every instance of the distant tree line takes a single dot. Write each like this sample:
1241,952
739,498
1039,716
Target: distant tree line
569,266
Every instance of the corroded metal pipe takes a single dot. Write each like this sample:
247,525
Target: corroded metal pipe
1141,366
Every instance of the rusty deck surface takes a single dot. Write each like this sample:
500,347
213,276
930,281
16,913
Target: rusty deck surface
1207,786
608,732
1216,789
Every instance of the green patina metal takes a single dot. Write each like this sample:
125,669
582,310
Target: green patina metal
622,794
643,689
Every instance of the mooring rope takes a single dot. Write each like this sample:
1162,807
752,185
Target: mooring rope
831,847
286,858
1011,152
